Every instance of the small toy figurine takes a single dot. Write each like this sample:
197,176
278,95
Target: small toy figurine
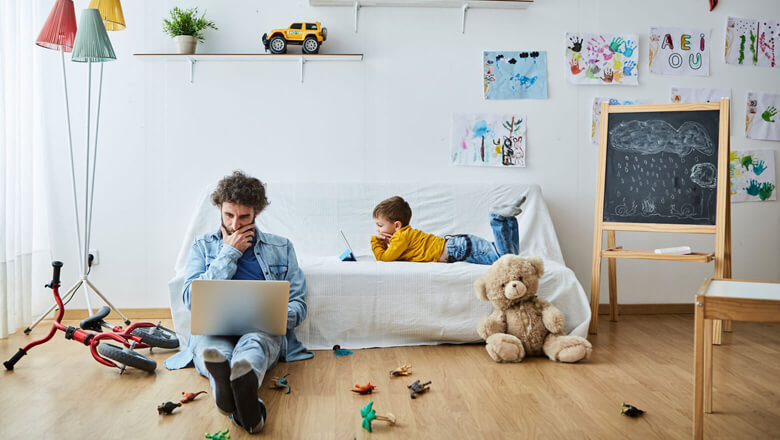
418,388
364,389
167,407
403,370
219,435
338,351
280,382
189,397
369,415
631,410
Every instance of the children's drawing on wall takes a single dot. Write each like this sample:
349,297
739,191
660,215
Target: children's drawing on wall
661,172
680,51
488,139
761,118
752,42
602,58
596,113
752,175
515,75
686,95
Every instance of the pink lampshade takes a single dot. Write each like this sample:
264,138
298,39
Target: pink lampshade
60,28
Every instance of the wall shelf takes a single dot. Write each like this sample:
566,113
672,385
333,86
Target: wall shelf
464,5
191,59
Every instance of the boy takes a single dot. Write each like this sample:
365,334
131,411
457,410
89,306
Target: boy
395,240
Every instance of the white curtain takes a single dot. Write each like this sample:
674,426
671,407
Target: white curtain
24,220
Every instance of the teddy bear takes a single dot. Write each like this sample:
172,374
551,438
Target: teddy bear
521,323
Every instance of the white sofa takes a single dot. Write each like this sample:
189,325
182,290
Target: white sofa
379,304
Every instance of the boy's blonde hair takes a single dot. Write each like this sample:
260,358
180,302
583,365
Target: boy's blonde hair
394,209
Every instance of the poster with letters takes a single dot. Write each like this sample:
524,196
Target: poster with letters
680,51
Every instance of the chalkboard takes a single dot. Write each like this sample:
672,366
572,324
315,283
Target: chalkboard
662,167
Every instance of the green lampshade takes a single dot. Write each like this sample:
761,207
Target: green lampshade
92,42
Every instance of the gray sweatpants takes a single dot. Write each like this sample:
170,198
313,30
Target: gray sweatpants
259,348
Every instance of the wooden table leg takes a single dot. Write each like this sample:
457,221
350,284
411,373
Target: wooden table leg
727,325
698,372
612,273
716,331
708,365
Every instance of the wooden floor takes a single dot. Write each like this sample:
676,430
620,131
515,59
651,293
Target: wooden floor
58,391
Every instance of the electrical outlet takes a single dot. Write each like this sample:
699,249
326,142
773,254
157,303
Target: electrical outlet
95,257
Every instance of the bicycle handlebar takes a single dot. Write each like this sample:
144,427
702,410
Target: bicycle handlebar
9,364
55,277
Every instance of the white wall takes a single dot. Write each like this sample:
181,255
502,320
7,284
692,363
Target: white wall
385,119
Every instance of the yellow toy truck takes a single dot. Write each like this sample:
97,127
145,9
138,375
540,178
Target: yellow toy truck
310,35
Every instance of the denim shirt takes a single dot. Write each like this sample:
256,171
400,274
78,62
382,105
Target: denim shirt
210,259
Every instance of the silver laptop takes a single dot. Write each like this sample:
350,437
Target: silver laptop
237,307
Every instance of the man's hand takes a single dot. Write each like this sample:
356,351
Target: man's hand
241,239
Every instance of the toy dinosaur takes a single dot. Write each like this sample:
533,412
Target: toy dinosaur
167,407
364,389
418,388
280,382
403,370
338,351
219,435
369,415
189,397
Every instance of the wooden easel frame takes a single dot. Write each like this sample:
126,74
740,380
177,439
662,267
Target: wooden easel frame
721,229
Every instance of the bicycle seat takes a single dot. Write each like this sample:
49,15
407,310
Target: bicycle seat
94,321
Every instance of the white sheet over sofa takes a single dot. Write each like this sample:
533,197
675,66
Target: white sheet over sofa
378,304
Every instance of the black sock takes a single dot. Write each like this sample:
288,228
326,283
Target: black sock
220,372
251,410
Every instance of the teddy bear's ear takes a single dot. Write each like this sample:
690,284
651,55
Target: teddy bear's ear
480,289
538,264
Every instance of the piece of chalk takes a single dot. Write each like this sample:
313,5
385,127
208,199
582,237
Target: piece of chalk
680,250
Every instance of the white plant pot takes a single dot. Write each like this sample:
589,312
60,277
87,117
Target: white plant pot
186,43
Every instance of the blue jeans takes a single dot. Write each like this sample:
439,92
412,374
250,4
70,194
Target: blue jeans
477,250
259,348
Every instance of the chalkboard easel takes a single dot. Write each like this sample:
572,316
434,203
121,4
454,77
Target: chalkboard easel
662,168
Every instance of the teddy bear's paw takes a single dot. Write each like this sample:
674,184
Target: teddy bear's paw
567,348
505,348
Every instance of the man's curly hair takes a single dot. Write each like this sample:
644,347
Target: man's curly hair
241,189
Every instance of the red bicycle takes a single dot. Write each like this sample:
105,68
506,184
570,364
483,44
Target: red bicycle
138,335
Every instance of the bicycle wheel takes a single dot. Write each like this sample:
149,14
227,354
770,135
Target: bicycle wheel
157,336
127,357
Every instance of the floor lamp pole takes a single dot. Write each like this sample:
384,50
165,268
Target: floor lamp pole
89,191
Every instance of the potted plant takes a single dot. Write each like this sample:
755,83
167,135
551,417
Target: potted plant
186,28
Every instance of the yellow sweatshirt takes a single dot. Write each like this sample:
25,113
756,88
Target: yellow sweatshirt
409,244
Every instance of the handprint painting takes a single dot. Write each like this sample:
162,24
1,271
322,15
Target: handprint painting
761,118
602,59
495,140
752,175
677,51
752,42
515,75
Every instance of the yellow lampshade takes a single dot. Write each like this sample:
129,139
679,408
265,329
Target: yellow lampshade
111,12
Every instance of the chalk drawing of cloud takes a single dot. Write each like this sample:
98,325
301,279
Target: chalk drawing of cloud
654,136
704,175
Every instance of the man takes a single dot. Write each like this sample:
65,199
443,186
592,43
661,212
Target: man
235,366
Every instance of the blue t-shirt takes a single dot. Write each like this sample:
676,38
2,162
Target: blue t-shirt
248,268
